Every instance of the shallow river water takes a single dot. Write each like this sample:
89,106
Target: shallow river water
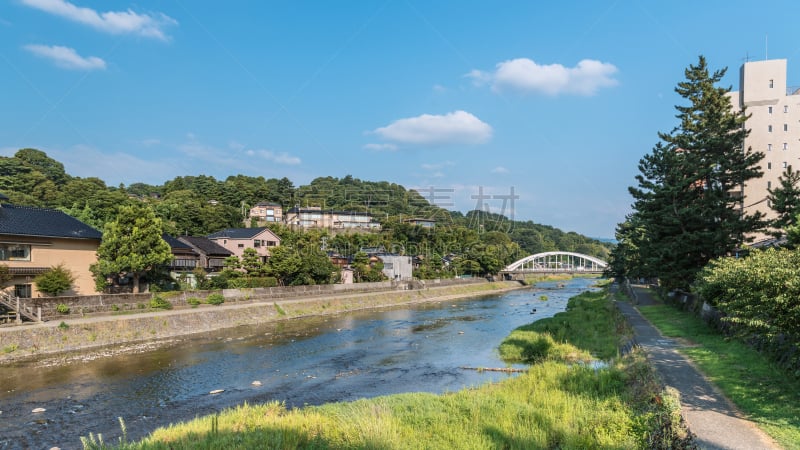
306,361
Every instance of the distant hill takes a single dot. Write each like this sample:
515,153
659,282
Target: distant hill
201,204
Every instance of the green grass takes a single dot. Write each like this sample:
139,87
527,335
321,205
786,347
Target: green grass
555,404
591,324
763,391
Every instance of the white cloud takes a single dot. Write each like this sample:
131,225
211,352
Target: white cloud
114,22
151,142
380,147
499,169
437,166
66,57
525,75
278,158
458,127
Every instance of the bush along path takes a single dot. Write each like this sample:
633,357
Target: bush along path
714,421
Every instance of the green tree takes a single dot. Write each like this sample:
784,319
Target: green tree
284,264
5,275
251,262
688,194
785,199
132,244
55,280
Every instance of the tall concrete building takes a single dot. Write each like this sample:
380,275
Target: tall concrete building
774,124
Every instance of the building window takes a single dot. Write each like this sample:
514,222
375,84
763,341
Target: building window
271,243
769,128
256,243
786,146
240,245
786,127
769,147
771,84
784,164
22,290
15,252
769,109
769,184
769,166
786,108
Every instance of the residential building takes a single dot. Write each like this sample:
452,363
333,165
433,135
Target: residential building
236,240
395,267
32,240
210,256
184,257
267,212
774,125
316,217
420,222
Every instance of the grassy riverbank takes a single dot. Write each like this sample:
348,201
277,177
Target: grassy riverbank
765,393
557,403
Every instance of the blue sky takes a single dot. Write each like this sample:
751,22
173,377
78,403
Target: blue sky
557,101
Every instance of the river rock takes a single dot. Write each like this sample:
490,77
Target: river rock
217,391
38,410
256,383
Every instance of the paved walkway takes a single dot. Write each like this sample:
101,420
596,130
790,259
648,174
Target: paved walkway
716,423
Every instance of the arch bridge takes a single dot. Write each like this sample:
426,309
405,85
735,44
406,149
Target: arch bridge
557,262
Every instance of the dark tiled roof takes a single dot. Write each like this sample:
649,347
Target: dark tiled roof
237,233
175,243
267,204
206,246
30,221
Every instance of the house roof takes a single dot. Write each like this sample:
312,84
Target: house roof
238,233
43,222
267,204
175,243
206,245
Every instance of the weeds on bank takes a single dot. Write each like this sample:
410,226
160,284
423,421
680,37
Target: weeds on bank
760,389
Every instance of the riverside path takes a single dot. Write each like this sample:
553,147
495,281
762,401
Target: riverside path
714,421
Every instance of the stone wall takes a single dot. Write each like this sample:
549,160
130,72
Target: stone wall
105,304
74,334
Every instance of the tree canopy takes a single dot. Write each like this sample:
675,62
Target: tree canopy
688,203
132,244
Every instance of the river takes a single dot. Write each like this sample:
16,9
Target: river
306,361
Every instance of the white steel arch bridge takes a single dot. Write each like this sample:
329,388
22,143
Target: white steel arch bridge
557,262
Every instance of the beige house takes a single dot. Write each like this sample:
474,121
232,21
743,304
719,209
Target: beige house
316,217
32,240
267,212
774,125
236,240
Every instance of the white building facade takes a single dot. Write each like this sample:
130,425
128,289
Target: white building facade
774,125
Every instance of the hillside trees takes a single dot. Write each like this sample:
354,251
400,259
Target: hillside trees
131,244
686,196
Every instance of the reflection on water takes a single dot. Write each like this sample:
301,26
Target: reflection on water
301,362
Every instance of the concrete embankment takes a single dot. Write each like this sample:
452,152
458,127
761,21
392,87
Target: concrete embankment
99,333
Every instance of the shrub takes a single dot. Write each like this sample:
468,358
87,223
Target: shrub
114,308
215,299
55,280
159,303
193,301
63,326
62,308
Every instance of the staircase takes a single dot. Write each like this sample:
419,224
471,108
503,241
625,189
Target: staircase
14,305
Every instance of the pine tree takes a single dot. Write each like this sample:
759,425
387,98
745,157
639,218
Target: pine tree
689,189
132,244
785,200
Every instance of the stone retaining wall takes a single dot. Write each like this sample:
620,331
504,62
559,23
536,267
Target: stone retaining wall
31,340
